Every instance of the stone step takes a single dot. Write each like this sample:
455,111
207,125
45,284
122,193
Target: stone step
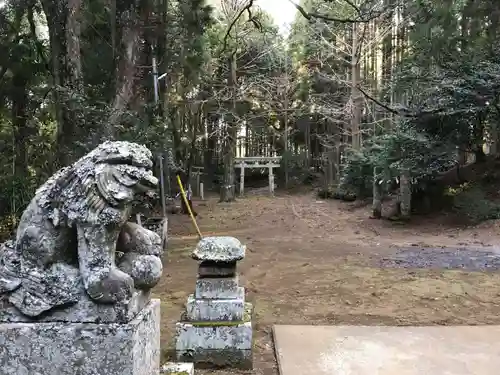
213,345
217,288
216,309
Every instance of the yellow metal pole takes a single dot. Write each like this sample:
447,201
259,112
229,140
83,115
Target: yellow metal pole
183,193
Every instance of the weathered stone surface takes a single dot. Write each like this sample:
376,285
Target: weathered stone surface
84,311
177,368
215,345
216,309
217,288
216,269
192,337
229,358
145,270
73,241
159,225
219,249
83,349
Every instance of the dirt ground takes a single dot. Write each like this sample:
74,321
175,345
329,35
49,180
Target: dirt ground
312,262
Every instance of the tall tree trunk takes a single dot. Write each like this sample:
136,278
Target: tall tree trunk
405,194
209,156
55,13
387,55
22,130
125,72
356,96
73,32
464,31
227,190
377,195
493,32
74,78
332,175
64,19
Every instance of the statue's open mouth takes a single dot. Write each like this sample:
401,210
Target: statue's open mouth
120,182
147,182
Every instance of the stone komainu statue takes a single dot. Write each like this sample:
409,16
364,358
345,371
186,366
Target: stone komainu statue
74,240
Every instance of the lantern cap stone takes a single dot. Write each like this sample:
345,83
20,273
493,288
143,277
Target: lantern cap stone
221,249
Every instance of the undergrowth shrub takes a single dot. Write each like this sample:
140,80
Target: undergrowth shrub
298,172
15,194
332,192
472,203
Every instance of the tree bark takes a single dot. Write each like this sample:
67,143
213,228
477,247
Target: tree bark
209,154
356,95
22,130
377,196
125,72
227,189
55,13
405,194
73,32
387,55
64,24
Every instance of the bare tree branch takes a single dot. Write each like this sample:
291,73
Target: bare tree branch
247,7
310,16
380,104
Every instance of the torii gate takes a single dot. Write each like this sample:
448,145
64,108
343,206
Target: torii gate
269,162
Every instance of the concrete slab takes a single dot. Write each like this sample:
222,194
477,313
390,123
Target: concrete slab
361,350
484,258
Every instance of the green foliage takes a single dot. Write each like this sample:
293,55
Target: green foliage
444,84
333,192
17,192
472,204
424,155
30,126
357,173
298,172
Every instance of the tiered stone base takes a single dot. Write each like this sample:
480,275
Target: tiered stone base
216,343
216,329
62,348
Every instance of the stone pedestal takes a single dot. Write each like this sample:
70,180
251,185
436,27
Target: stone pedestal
84,311
216,328
62,348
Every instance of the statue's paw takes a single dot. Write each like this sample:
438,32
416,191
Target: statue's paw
148,242
155,244
137,239
146,270
111,287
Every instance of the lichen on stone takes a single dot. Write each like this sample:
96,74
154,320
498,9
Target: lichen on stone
74,242
247,317
222,249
